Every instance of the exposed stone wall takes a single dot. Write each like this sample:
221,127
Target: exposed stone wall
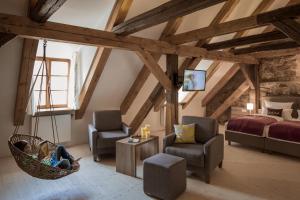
280,76
243,100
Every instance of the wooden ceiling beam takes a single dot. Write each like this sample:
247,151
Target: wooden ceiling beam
39,11
165,12
267,47
42,10
276,53
61,32
192,63
247,40
263,6
171,27
237,25
118,15
290,28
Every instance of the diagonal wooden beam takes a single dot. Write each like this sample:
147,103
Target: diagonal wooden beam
290,28
231,99
165,12
262,7
237,25
39,11
155,69
248,72
171,27
118,15
146,108
220,84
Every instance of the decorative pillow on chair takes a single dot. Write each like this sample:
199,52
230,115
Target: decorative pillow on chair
185,133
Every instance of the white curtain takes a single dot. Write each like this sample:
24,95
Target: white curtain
77,78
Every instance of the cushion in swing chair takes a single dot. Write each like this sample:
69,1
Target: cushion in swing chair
33,166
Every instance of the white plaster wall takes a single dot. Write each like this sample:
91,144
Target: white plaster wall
10,55
90,13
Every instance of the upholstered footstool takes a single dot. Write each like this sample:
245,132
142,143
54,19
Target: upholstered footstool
164,176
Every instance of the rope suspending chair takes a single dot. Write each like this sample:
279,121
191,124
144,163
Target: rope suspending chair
25,161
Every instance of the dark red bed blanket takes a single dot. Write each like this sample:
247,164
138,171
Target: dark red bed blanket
251,124
285,130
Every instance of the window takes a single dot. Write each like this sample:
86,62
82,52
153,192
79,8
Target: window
58,70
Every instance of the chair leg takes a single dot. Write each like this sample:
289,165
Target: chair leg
221,164
95,158
229,142
207,178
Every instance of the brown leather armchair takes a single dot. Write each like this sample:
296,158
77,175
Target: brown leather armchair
208,152
106,129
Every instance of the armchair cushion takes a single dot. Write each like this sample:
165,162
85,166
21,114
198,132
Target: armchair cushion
193,153
112,135
107,120
206,128
108,139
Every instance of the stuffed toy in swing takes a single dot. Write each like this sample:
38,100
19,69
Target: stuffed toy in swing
35,156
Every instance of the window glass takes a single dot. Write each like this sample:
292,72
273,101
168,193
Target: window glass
58,79
36,68
59,68
37,85
59,83
59,97
42,98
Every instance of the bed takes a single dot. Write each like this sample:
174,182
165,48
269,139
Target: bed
271,133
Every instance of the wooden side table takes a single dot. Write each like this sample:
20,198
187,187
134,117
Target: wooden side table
126,154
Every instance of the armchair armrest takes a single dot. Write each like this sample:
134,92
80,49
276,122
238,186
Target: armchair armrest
93,136
127,129
168,140
214,152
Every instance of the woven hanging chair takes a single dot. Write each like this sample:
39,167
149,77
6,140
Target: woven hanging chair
32,166
28,163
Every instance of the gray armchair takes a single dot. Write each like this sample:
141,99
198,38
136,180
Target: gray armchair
106,129
208,152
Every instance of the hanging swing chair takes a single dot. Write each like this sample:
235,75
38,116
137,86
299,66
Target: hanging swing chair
27,162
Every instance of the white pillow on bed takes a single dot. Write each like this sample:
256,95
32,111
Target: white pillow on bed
275,105
287,114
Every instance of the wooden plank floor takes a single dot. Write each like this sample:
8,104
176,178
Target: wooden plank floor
247,174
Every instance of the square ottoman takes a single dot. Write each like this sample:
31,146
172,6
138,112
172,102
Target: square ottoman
164,176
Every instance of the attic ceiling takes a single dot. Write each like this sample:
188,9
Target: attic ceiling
124,66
